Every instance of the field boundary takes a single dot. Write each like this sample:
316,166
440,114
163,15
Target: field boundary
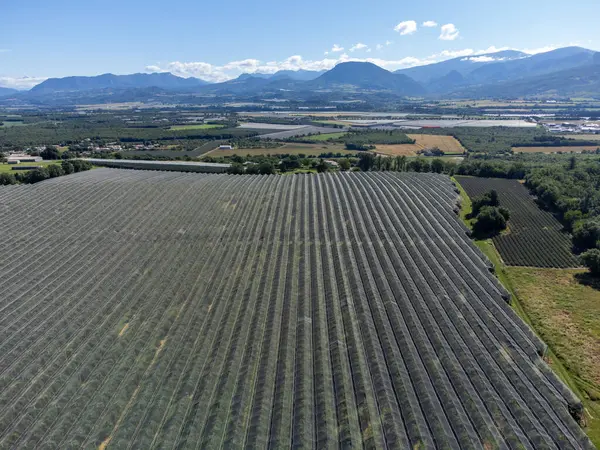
491,252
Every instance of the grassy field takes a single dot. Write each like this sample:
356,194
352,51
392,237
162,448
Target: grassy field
448,144
7,168
203,126
583,137
292,149
10,124
324,137
565,313
566,149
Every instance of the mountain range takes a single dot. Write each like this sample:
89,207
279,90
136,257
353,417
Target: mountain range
570,71
108,80
7,91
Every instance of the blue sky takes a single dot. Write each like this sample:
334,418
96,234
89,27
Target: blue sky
220,40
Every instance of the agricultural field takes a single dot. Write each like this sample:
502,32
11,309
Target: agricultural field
534,237
221,311
8,168
325,136
447,144
397,149
564,149
583,137
296,132
564,308
203,126
286,149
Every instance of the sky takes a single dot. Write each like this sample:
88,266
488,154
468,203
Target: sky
220,40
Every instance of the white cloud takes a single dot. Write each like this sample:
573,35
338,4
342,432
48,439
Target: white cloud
336,48
326,53
388,42
430,24
368,50
230,70
482,59
449,32
20,83
455,53
535,51
406,27
359,46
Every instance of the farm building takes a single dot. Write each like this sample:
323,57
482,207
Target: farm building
25,167
225,147
21,158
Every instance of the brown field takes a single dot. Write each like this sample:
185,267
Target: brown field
397,149
292,148
447,144
565,149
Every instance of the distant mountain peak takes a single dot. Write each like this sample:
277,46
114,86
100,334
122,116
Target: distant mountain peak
366,75
163,80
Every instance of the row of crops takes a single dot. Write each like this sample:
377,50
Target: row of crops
175,310
534,237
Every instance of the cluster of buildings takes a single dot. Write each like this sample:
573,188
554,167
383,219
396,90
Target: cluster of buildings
573,127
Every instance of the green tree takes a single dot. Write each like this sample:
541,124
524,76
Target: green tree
366,161
67,167
322,166
50,153
591,260
437,166
54,170
266,168
344,164
236,169
490,221
586,234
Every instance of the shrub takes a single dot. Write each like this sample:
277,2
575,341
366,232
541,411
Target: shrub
7,178
54,170
36,175
236,169
67,167
591,259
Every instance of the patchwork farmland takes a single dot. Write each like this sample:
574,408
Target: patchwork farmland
153,309
534,237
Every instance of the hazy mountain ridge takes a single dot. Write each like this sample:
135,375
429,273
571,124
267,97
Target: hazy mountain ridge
568,71
163,80
7,91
